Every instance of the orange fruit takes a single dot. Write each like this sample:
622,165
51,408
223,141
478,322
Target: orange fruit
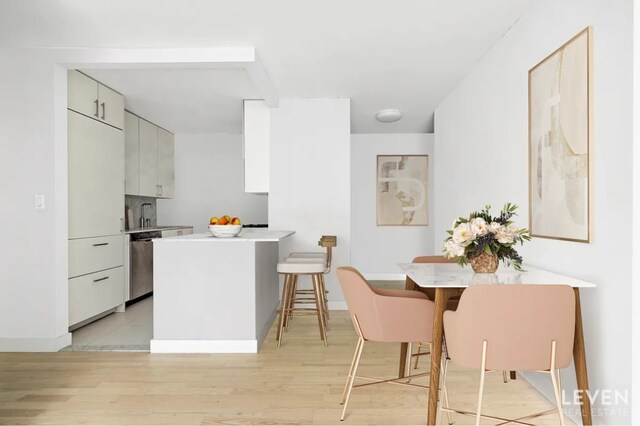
213,221
223,221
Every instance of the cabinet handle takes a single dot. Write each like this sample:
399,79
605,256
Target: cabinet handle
104,111
122,224
160,190
100,279
100,244
96,102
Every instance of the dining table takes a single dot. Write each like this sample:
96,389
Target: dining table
449,280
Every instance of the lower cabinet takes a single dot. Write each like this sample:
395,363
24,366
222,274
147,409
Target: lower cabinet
92,294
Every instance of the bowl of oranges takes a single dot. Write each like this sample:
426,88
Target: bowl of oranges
225,226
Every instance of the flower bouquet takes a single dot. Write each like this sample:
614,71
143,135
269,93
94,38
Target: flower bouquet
483,240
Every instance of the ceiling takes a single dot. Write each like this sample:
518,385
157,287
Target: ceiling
405,54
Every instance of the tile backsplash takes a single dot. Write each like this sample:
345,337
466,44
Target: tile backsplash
134,203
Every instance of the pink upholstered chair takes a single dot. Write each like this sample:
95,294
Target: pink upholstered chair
383,315
511,327
452,303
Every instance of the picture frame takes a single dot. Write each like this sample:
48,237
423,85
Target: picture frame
402,190
560,107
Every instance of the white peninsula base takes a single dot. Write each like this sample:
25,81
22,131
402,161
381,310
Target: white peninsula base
215,295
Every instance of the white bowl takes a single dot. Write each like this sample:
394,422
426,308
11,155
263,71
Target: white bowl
225,231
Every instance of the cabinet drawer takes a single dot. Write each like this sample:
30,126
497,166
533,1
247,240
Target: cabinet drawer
92,294
88,255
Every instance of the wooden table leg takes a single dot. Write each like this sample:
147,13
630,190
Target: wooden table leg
408,285
580,363
436,353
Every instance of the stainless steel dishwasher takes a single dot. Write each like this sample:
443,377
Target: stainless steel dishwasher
141,270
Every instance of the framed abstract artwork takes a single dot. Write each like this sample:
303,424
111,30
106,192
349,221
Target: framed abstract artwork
401,190
560,143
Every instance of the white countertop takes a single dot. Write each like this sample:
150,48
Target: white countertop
248,234
432,275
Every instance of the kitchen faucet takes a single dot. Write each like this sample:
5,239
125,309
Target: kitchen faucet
143,221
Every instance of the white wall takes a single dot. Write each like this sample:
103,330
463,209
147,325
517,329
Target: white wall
481,148
309,177
210,182
377,249
33,246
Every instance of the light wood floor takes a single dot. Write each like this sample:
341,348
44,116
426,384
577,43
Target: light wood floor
300,383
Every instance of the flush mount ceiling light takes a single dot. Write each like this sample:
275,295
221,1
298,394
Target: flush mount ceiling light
390,115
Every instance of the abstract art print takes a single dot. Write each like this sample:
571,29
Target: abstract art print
401,189
560,155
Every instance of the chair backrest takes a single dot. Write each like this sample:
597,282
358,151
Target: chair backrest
430,292
519,323
400,317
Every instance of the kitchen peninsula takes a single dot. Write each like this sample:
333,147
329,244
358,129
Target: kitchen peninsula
215,295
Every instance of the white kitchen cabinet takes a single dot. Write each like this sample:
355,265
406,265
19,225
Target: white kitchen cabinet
150,159
256,129
87,255
88,97
93,294
131,153
166,177
96,178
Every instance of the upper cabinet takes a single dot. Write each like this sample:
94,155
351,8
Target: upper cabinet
88,97
148,149
166,175
150,159
256,129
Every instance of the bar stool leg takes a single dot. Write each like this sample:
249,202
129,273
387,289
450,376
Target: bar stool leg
319,308
291,295
283,306
324,298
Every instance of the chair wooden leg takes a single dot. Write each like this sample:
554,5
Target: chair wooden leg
283,307
407,370
318,296
554,381
353,363
444,401
352,378
481,387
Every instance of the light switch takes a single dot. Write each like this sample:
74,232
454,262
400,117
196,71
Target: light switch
39,198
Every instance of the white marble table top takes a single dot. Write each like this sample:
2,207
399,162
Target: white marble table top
432,275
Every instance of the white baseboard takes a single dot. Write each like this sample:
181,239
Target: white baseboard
53,344
338,305
204,346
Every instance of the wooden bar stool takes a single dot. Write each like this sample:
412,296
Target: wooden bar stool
291,270
328,242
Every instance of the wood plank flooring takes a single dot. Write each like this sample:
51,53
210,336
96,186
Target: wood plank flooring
300,383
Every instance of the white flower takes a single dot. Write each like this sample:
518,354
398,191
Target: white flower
505,234
478,226
463,234
452,249
493,227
